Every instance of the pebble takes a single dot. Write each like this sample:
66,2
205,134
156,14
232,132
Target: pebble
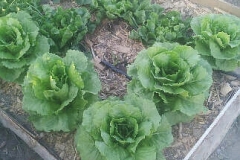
41,135
62,154
219,102
225,89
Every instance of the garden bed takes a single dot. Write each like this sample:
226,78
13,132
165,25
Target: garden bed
110,42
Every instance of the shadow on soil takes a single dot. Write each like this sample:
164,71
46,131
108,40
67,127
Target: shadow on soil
13,148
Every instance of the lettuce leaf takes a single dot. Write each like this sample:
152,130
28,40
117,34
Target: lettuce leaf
13,6
149,22
174,76
135,12
57,90
20,44
64,27
164,27
217,39
128,129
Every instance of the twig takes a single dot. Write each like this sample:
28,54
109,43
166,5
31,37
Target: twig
210,104
230,95
209,97
217,93
180,130
75,153
96,59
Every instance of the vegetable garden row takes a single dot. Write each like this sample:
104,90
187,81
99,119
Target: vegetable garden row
40,49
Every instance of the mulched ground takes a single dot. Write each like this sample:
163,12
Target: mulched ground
112,44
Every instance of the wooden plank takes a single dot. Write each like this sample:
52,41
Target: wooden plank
227,7
216,131
26,136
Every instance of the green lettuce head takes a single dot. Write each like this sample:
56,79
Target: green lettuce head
218,40
57,90
64,27
20,44
174,77
122,130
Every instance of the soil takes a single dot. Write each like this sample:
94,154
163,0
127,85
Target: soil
13,148
110,42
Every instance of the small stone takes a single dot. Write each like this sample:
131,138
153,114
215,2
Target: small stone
62,154
226,88
41,135
219,102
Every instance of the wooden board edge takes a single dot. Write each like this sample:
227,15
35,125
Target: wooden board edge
222,5
213,136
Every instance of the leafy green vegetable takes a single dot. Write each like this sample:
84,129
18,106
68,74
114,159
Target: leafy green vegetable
218,40
57,90
174,77
9,6
56,1
168,27
64,27
150,24
20,44
135,12
86,2
115,130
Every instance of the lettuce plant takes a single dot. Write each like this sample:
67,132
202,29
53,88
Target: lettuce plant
20,44
174,76
57,90
167,27
115,130
218,40
150,24
9,6
135,12
120,9
64,27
